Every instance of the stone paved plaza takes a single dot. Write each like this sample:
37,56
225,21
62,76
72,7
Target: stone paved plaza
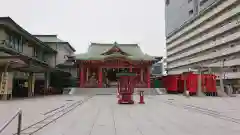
161,115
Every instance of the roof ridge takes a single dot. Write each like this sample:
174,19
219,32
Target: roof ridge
45,35
100,43
117,44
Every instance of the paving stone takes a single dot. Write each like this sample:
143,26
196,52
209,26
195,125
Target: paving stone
102,115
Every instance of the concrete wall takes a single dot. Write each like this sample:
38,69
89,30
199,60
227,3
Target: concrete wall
51,59
53,45
207,42
27,50
177,13
63,51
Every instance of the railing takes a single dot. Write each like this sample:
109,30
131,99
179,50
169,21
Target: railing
19,115
39,55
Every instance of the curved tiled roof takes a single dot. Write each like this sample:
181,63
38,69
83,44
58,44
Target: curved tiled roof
95,52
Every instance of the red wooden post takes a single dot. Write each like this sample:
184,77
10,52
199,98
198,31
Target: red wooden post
87,74
100,77
130,70
79,72
81,76
141,74
148,78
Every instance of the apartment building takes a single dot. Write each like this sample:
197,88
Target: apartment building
207,38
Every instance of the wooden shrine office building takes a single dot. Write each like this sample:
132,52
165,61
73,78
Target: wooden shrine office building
99,65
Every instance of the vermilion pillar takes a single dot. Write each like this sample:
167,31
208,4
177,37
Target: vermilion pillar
141,74
86,74
81,76
100,77
148,78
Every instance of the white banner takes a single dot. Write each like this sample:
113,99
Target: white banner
3,84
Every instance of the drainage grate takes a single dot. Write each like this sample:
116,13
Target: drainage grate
69,100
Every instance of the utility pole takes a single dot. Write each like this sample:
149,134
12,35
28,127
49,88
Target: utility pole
222,76
199,90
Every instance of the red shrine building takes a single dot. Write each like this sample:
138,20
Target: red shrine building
99,65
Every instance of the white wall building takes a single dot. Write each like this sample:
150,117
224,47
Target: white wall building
211,39
159,68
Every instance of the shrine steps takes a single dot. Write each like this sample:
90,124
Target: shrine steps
93,91
109,91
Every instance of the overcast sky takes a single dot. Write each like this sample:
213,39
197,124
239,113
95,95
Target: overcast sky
83,21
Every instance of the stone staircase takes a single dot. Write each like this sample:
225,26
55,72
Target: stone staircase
221,93
109,91
93,91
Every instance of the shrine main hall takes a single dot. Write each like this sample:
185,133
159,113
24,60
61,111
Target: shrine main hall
99,65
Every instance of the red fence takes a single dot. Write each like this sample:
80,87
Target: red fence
171,83
192,82
175,83
209,83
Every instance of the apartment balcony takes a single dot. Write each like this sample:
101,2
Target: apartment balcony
218,54
15,59
216,42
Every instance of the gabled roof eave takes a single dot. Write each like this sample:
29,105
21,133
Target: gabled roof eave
10,23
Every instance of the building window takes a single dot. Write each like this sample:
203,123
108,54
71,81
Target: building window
202,2
34,52
234,69
11,43
20,45
190,12
232,45
15,42
55,60
167,2
37,53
